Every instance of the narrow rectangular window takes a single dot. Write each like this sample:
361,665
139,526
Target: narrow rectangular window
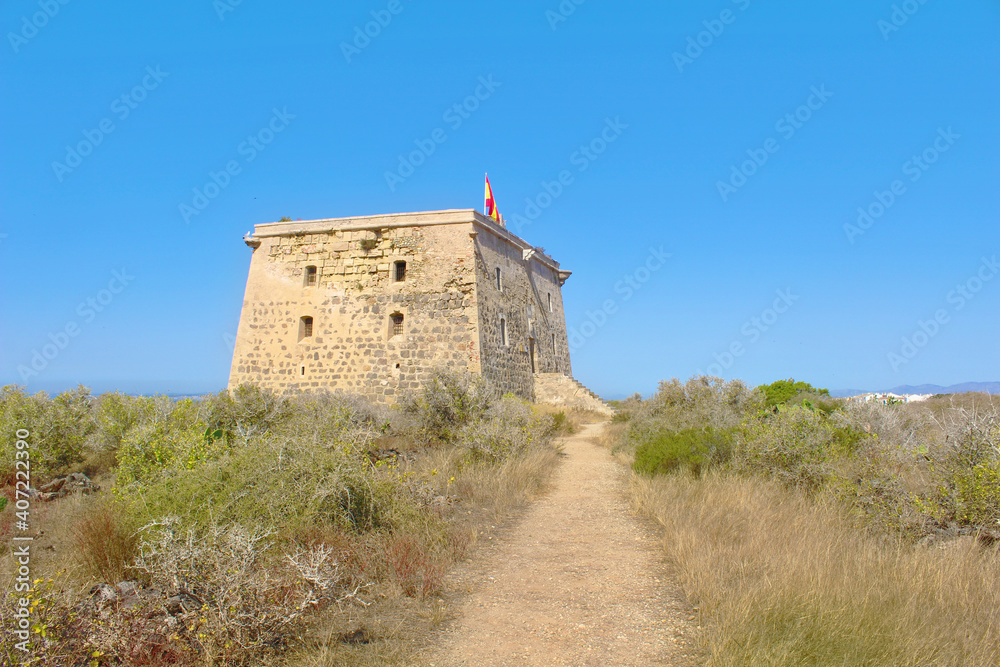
550,301
553,343
503,329
499,280
305,327
397,325
400,271
310,276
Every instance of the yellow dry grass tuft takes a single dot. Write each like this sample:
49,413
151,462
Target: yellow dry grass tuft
503,488
105,543
781,580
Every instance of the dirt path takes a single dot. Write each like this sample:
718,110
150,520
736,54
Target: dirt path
579,581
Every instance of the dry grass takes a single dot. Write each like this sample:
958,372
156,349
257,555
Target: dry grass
572,419
105,544
507,487
393,625
407,608
54,526
781,580
612,436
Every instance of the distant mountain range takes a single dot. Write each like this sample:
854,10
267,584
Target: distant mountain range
985,387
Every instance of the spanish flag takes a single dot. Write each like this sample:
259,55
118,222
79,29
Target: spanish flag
491,203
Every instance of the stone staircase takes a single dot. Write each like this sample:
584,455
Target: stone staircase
566,391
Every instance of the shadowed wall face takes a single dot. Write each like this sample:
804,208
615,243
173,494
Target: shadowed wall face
522,328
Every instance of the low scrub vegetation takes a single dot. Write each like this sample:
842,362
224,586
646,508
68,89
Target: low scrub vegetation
249,527
688,449
814,531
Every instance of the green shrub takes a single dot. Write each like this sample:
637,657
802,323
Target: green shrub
447,402
153,450
824,404
797,445
966,467
271,482
247,411
328,419
259,459
59,428
559,423
176,437
117,414
508,428
17,411
980,493
68,422
701,402
972,498
693,450
901,469
784,391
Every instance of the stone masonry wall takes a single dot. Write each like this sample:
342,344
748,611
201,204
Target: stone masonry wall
529,302
352,347
562,390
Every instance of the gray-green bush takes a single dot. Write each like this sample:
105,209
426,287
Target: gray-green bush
507,428
447,402
60,428
902,468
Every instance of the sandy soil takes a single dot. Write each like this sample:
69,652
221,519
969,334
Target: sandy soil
578,581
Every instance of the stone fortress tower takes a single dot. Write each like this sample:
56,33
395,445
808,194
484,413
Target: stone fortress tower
371,305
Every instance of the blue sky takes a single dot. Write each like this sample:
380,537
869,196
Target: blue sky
739,137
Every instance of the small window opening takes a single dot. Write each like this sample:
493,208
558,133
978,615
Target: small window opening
311,276
553,343
400,271
397,325
303,370
499,280
503,329
305,327
550,301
